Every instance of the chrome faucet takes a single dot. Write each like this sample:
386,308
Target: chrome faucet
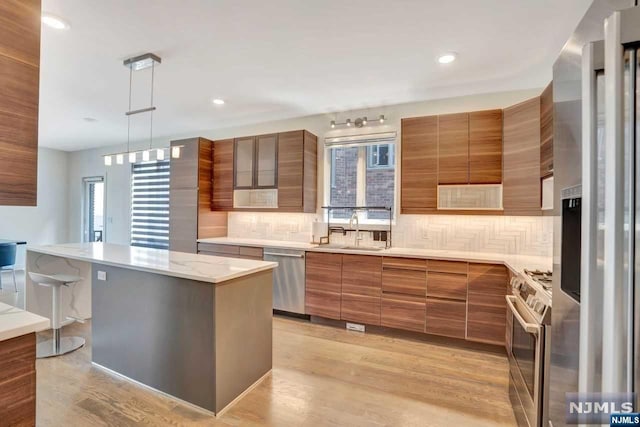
354,218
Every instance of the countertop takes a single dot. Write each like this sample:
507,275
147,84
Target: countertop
15,322
204,268
516,263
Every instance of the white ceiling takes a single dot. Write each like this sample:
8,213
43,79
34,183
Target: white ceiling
279,59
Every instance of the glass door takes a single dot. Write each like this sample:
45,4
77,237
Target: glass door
93,229
267,161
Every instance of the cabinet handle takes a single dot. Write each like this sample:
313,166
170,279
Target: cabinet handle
285,255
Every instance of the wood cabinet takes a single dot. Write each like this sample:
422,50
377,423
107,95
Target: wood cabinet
485,147
404,276
361,288
453,148
285,161
419,165
190,193
222,198
19,98
323,284
403,311
18,381
546,132
446,298
486,308
521,174
445,317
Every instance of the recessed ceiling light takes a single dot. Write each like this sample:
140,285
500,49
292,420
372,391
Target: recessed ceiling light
218,101
55,22
90,119
447,58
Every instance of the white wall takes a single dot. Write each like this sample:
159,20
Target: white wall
47,222
89,162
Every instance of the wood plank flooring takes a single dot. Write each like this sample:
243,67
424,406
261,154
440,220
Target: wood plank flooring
322,376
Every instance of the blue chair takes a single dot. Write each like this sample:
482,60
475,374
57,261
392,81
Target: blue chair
8,261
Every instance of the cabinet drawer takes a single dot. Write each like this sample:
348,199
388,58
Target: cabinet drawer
488,279
447,285
360,308
446,317
491,333
486,299
252,252
322,303
399,280
361,274
487,313
403,312
447,266
220,249
404,263
324,272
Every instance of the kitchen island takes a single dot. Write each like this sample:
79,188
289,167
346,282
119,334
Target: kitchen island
195,327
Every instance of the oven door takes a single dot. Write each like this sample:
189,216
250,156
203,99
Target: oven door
526,356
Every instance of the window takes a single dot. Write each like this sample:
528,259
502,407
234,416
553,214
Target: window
380,156
361,174
150,204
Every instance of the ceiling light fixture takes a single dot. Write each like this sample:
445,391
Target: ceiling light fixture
218,101
54,22
358,122
137,63
447,58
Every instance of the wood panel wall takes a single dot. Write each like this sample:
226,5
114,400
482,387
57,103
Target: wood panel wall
19,94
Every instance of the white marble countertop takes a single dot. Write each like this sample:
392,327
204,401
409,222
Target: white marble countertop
15,322
204,268
259,243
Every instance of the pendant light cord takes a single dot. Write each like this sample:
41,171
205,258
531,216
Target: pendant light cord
153,68
129,116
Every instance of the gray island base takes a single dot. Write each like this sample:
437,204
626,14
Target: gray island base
205,339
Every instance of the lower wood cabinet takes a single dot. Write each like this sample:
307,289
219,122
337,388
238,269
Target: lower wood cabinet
360,309
361,288
231,251
486,309
323,284
403,312
18,381
446,317
404,276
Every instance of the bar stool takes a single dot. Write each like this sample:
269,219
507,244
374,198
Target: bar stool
56,346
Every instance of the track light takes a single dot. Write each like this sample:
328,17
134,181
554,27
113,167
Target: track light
333,124
382,118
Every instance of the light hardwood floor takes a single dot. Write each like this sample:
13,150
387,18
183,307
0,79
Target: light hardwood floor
322,376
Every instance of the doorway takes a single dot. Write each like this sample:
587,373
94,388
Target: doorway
93,229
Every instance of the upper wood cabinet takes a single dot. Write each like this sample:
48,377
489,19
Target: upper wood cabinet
546,132
453,148
190,192
419,165
521,174
285,161
222,175
19,97
485,147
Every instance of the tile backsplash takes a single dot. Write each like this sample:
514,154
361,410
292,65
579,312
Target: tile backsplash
478,233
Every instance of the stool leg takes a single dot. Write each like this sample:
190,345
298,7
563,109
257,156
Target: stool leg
15,284
55,318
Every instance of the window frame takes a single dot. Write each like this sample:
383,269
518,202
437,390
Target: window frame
362,167
390,164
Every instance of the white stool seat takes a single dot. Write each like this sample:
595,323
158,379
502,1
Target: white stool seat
58,345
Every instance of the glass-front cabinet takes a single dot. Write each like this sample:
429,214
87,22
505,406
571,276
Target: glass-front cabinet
256,162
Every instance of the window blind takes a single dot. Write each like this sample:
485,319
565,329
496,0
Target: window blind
150,204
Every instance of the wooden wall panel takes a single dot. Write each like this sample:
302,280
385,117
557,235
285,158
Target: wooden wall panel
418,172
453,148
222,175
485,147
521,174
546,132
19,97
291,170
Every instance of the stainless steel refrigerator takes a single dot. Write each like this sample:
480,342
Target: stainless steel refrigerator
594,205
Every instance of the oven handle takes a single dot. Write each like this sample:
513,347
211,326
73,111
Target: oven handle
531,328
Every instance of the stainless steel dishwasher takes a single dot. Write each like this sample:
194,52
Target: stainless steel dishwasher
288,279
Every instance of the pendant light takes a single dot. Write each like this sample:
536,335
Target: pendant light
148,60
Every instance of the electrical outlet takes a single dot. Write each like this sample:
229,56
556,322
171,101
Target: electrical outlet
102,275
355,327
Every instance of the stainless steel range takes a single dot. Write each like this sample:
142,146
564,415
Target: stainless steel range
528,332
